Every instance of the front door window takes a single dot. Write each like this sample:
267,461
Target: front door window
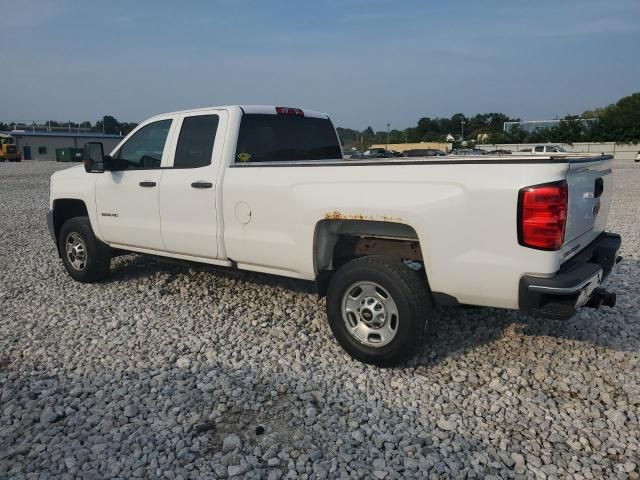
144,149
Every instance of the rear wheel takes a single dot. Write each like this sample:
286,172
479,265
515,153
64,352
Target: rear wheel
377,309
85,257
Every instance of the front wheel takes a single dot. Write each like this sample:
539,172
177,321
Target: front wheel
85,257
377,309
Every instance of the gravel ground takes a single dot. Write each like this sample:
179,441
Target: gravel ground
166,371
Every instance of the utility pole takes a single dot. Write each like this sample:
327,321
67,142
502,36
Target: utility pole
388,127
462,133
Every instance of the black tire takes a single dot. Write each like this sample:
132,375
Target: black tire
97,259
410,295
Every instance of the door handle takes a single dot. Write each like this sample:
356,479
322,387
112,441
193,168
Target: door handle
202,184
147,183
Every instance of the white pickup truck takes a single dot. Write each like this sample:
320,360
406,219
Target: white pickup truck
266,189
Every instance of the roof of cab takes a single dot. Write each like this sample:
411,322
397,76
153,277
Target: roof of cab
263,109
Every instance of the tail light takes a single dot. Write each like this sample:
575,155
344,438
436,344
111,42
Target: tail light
542,215
289,111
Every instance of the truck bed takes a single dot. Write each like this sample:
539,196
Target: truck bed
465,217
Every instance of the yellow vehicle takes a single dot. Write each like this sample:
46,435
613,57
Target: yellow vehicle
9,149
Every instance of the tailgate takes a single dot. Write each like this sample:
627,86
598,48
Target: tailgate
590,187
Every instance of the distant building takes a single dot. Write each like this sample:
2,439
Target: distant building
39,145
531,126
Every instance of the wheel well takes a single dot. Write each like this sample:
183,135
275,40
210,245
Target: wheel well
66,208
337,242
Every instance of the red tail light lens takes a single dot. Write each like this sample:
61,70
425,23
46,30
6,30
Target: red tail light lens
289,111
542,215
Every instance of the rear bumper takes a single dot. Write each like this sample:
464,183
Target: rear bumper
575,283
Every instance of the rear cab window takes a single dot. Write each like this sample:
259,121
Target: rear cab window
286,138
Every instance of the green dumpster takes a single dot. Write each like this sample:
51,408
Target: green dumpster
68,154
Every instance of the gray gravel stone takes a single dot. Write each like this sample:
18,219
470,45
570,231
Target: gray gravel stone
131,411
183,362
231,442
163,371
446,425
235,470
517,458
47,415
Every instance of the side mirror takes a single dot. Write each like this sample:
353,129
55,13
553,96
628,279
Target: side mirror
93,157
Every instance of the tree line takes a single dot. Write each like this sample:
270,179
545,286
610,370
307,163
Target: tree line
107,125
619,122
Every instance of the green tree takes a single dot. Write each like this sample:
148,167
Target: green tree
126,127
621,122
110,125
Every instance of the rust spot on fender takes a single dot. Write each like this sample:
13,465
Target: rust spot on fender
337,215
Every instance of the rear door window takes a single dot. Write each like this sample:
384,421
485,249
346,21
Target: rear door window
278,138
195,143
539,149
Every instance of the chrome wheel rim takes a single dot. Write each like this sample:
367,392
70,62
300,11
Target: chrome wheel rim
76,251
370,314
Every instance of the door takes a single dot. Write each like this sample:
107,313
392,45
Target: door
26,152
188,189
127,193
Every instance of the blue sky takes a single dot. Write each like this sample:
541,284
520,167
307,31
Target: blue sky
363,62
